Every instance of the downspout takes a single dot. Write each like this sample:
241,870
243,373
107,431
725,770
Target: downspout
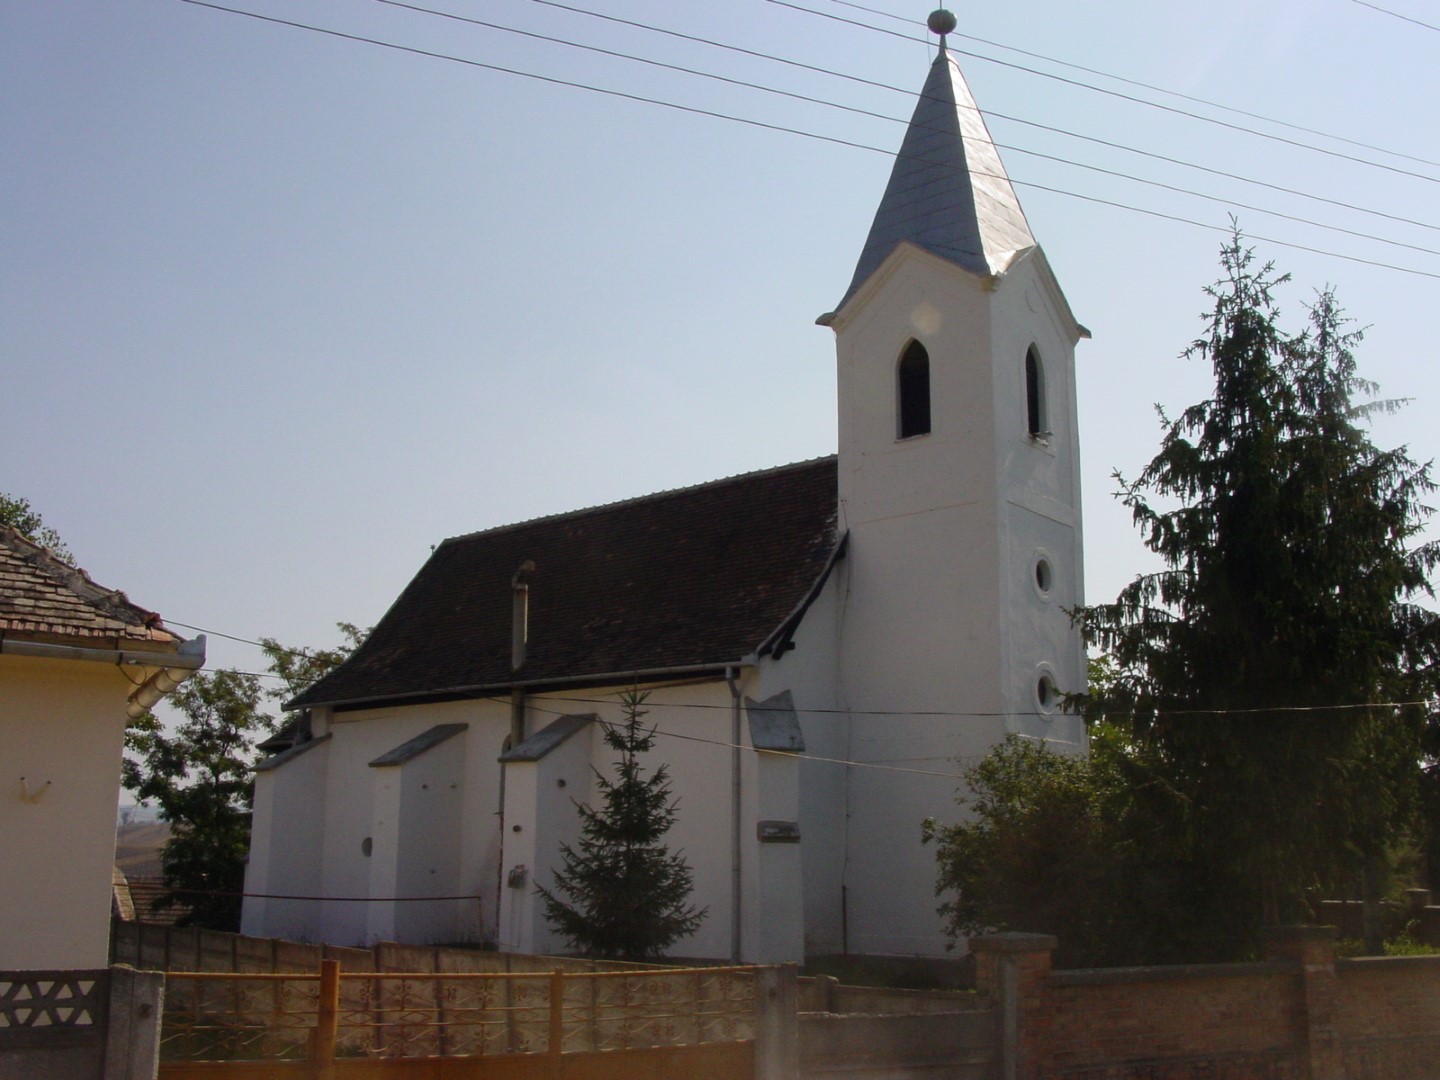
519,638
735,792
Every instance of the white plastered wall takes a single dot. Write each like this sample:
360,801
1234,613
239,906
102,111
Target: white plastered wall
818,783
694,735
1040,482
62,725
286,837
539,817
324,854
937,641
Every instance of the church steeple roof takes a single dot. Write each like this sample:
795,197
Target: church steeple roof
948,191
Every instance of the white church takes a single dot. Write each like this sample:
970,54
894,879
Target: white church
820,641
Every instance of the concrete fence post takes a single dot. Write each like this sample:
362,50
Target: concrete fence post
1013,969
777,1023
1312,948
132,1042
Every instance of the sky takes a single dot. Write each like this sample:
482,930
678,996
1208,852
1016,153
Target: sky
280,310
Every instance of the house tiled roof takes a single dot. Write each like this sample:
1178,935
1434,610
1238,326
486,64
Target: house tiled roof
691,578
42,596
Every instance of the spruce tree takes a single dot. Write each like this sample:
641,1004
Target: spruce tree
1255,669
621,893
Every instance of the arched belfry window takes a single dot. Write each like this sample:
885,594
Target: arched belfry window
1035,411
912,389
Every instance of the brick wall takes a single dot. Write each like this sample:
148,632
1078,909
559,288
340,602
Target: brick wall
1387,1016
1300,1015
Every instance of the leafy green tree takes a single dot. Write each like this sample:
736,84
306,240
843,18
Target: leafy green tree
200,776
300,669
1071,845
200,773
625,895
20,515
1256,669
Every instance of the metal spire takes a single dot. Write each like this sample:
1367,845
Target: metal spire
948,191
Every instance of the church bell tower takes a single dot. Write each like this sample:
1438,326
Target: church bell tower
959,486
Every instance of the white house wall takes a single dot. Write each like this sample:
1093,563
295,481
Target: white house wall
809,672
428,863
540,816
286,841
693,732
330,833
62,725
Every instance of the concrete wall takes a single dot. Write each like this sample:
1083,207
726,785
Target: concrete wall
62,725
80,1024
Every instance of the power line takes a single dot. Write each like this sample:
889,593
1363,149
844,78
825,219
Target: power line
245,641
1394,14
1174,188
1158,89
943,714
1128,97
991,114
764,125
761,752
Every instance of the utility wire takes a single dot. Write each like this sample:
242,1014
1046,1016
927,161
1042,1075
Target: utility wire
951,714
1174,188
939,713
761,752
1126,97
243,641
552,80
1394,14
909,94
335,899
1159,89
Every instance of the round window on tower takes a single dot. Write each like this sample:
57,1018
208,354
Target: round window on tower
1042,574
1047,696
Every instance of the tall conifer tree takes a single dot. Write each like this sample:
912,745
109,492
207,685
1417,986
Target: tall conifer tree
622,893
1255,667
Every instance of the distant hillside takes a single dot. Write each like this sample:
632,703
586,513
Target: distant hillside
137,847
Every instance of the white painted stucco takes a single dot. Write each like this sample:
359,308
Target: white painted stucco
942,636
931,641
62,726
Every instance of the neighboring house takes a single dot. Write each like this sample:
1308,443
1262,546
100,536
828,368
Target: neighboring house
77,661
821,641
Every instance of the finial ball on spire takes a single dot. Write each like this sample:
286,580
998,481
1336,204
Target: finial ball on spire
940,22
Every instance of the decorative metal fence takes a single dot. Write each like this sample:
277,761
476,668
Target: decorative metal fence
329,1015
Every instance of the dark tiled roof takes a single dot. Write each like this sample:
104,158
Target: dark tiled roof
699,576
41,595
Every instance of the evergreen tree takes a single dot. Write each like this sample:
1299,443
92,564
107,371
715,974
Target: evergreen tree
625,895
1255,667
